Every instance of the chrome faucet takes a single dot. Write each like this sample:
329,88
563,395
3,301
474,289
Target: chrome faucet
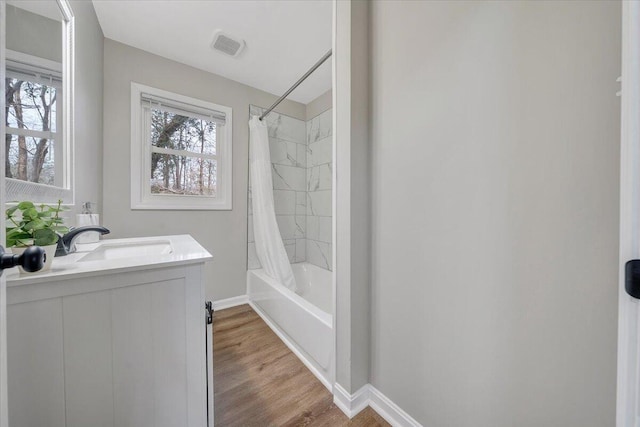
66,243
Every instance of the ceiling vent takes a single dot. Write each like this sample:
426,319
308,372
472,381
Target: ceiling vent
225,43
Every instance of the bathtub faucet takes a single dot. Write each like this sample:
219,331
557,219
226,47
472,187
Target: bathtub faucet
66,243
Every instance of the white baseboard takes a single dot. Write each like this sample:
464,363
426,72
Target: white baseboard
388,410
351,404
230,302
368,395
287,341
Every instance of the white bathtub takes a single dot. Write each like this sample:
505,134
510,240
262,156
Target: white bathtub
302,319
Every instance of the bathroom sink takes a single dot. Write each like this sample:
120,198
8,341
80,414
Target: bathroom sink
109,251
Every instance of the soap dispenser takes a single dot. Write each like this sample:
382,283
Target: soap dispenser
87,217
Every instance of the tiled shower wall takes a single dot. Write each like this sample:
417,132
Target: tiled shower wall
301,170
319,182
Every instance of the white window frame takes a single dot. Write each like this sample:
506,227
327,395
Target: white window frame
141,149
37,64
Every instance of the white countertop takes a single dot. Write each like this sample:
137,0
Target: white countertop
185,250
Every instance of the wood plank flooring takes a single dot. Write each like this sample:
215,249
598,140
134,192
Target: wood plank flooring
258,381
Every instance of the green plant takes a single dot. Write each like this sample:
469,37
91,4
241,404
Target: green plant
30,225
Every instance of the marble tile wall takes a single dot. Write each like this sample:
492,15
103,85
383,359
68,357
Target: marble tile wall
319,190
301,157
288,148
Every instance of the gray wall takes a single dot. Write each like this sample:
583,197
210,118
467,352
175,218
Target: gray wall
223,233
88,106
496,165
360,200
34,34
353,207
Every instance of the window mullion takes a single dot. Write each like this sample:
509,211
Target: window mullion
31,133
185,153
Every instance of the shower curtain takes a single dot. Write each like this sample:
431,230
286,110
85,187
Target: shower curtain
269,246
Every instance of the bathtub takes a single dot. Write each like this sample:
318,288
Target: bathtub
302,319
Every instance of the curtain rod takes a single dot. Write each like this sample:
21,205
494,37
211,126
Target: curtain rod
296,84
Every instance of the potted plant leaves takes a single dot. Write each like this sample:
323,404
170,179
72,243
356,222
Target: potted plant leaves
28,225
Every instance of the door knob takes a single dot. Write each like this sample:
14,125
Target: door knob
32,259
632,277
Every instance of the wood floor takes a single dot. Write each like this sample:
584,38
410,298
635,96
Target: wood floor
258,381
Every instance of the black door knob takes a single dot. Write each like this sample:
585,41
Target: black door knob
632,277
32,259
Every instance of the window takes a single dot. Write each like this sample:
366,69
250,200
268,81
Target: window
34,144
180,151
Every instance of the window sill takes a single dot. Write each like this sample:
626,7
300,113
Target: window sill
18,190
181,203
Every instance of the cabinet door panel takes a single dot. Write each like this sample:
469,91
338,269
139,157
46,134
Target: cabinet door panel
87,359
150,354
132,356
169,353
35,364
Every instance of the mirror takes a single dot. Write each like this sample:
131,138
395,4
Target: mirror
38,89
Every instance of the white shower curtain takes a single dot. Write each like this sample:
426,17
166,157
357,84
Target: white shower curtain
269,245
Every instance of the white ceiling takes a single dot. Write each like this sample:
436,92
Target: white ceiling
284,38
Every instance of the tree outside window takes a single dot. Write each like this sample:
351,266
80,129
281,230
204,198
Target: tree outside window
190,174
30,119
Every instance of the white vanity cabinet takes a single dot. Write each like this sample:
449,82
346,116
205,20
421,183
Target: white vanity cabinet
115,348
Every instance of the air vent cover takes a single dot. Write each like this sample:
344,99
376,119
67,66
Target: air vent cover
225,43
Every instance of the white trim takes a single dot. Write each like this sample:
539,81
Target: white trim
628,309
32,133
176,107
230,302
285,339
34,68
334,187
4,418
141,197
68,102
65,9
388,410
351,404
342,191
368,395
29,61
184,153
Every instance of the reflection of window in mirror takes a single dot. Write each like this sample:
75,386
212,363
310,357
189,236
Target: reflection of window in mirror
37,144
33,94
